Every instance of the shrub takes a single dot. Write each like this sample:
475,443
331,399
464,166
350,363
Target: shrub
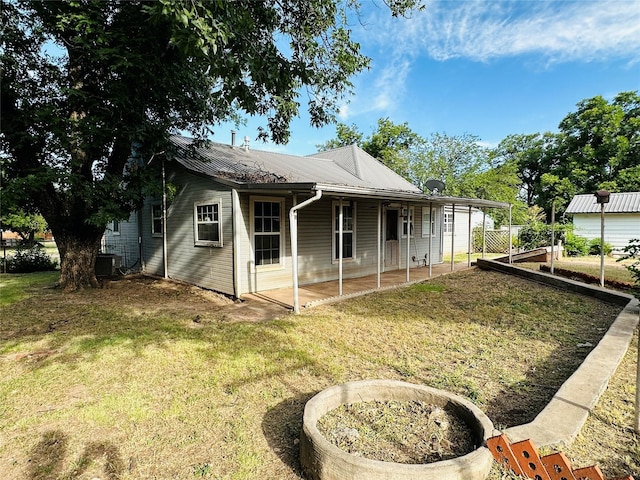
575,245
27,260
632,251
594,247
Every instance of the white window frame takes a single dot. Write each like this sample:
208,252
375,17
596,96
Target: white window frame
217,211
447,226
426,217
335,230
154,233
115,227
273,266
403,226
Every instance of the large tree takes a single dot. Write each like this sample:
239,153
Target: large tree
92,90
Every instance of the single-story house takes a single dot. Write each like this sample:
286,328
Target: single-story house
621,218
244,220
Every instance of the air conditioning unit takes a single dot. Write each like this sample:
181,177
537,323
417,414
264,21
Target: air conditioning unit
107,264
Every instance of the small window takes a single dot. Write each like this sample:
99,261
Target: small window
208,227
428,223
348,231
404,221
115,227
267,232
448,223
156,220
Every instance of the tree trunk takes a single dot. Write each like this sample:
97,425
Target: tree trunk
78,253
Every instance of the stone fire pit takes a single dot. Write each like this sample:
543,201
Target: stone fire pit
322,460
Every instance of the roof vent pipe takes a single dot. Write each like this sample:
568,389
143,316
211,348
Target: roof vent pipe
246,144
233,138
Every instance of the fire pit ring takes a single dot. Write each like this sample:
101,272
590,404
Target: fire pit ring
322,460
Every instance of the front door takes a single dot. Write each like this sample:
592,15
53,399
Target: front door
391,241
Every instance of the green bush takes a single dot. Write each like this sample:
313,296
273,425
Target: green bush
575,245
594,247
534,235
27,260
632,251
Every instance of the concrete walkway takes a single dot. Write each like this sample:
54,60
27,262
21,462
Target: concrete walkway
562,419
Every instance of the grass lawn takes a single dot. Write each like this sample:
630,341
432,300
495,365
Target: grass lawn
147,379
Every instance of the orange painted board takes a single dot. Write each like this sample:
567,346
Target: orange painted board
501,451
558,466
589,473
529,460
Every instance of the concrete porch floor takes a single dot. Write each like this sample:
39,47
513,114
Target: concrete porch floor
327,292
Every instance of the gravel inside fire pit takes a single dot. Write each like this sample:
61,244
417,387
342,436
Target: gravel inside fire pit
411,432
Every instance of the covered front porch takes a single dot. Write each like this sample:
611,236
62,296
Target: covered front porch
327,292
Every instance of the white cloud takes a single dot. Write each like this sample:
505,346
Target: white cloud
480,30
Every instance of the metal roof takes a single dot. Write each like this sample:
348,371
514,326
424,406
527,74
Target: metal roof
628,202
348,171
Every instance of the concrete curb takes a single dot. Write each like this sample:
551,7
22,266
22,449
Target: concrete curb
562,419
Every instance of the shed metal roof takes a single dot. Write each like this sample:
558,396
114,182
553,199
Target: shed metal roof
628,202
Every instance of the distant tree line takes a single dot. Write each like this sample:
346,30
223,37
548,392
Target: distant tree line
596,147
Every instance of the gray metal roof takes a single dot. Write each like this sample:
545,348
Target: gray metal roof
348,166
628,202
343,171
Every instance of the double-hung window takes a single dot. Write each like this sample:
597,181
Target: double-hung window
156,220
448,223
407,219
115,227
348,230
267,232
208,227
428,222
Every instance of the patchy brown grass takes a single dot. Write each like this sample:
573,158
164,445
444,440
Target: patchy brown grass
149,379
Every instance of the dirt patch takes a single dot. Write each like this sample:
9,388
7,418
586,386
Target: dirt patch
411,432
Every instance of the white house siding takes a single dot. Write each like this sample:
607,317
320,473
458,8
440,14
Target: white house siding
205,266
619,228
252,279
460,235
123,243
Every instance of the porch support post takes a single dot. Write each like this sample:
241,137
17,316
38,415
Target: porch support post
408,278
379,241
484,232
340,245
431,224
293,230
469,241
453,236
510,238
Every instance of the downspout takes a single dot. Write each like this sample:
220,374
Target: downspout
293,225
235,212
164,223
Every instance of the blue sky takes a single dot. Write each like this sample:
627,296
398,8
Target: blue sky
487,68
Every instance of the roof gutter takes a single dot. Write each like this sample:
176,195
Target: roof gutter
293,229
